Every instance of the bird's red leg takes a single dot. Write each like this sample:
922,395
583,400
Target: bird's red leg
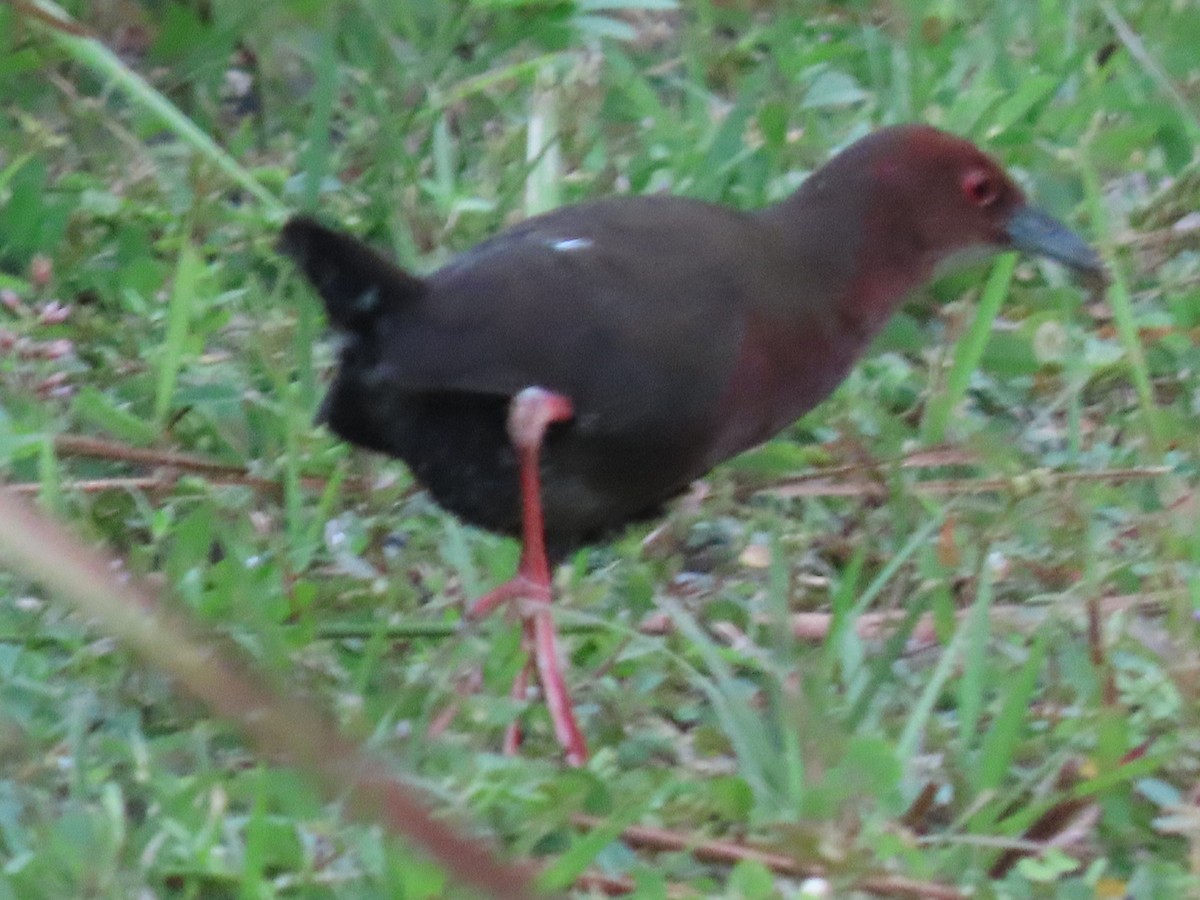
512,734
531,413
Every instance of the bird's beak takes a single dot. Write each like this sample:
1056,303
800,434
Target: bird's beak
1033,231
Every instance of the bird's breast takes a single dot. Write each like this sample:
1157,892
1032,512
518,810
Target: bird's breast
781,373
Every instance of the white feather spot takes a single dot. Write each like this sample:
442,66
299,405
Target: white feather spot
367,302
566,245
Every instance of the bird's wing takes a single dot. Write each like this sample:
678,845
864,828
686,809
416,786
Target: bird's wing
633,308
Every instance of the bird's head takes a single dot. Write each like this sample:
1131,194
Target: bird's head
945,196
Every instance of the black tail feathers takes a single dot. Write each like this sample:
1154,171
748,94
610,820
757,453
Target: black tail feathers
355,282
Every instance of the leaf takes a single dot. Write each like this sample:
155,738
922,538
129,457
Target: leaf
832,88
92,406
1032,89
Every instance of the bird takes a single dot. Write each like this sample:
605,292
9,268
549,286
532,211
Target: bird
575,372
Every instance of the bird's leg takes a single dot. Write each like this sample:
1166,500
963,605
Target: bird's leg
533,411
512,734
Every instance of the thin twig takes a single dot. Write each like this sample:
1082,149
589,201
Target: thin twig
619,886
820,483
101,448
170,461
610,885
96,485
926,458
1151,66
661,840
49,19
812,485
814,626
167,479
807,626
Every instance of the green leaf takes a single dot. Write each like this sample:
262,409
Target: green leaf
1033,89
94,407
833,88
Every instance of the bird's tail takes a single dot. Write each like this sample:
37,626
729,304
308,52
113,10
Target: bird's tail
356,283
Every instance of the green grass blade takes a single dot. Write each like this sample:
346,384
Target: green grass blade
785,651
94,55
491,80
1121,777
906,748
1151,66
843,647
179,316
543,151
315,161
883,666
563,872
1119,299
971,686
49,477
743,726
1000,744
898,560
969,351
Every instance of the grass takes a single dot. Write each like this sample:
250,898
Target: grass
999,698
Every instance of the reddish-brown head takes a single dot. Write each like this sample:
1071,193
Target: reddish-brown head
935,194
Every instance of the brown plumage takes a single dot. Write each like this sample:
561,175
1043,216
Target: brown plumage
680,332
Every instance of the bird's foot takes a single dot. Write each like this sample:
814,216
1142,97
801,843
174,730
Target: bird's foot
532,601
519,590
554,686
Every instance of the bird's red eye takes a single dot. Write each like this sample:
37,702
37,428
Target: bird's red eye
981,188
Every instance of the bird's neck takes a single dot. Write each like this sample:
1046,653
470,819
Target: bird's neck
850,263
836,279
